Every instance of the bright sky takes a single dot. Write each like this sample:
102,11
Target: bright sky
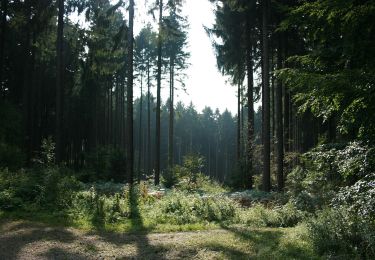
204,83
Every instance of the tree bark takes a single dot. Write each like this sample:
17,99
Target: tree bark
4,7
59,81
148,120
171,116
250,109
129,116
239,125
279,124
158,98
140,131
266,99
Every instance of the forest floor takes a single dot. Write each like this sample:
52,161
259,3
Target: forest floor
32,240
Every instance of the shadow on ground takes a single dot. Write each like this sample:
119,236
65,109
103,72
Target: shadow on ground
30,240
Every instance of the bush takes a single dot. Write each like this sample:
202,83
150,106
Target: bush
18,188
106,164
283,216
259,216
325,169
358,199
170,177
336,232
181,208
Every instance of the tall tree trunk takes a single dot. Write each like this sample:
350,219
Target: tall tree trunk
158,98
129,114
266,99
148,120
239,124
26,80
279,124
140,131
243,145
286,119
59,82
171,116
250,111
4,7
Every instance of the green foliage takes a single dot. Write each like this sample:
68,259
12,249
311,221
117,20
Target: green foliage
336,232
336,182
281,216
106,164
192,166
334,77
325,169
46,157
170,177
189,176
181,208
358,199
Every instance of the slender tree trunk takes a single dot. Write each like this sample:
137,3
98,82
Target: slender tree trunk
279,124
59,81
129,116
32,97
171,116
158,98
250,111
243,145
140,131
266,99
209,158
286,119
4,7
239,124
111,115
148,120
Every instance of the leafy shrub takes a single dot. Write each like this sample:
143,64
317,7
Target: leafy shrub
18,188
341,163
336,232
289,215
191,168
358,199
170,177
282,216
181,208
249,197
56,188
107,164
259,216
100,208
325,169
46,157
309,190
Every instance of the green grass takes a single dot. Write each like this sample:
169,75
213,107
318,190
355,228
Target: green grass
226,242
85,223
259,243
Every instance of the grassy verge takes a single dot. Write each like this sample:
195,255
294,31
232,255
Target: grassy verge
87,224
228,242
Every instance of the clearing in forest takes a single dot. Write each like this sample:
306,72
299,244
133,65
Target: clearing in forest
31,240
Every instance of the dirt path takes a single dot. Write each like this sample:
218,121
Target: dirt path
26,240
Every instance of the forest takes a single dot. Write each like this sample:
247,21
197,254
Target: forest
95,162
